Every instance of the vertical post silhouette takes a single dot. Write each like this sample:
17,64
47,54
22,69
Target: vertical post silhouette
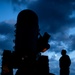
64,63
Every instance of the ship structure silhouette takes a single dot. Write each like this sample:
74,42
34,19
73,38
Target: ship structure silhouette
26,56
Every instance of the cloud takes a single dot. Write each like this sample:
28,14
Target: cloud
21,4
54,18
6,35
62,40
53,15
6,28
72,45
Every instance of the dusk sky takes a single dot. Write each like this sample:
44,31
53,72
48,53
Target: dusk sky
57,17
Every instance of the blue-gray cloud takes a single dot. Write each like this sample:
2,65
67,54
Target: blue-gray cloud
6,36
53,15
54,18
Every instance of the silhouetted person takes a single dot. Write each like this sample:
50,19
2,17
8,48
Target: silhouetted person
64,63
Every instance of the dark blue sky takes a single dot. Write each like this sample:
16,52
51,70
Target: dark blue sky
57,17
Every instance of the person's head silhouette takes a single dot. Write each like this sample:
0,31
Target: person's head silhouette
63,52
